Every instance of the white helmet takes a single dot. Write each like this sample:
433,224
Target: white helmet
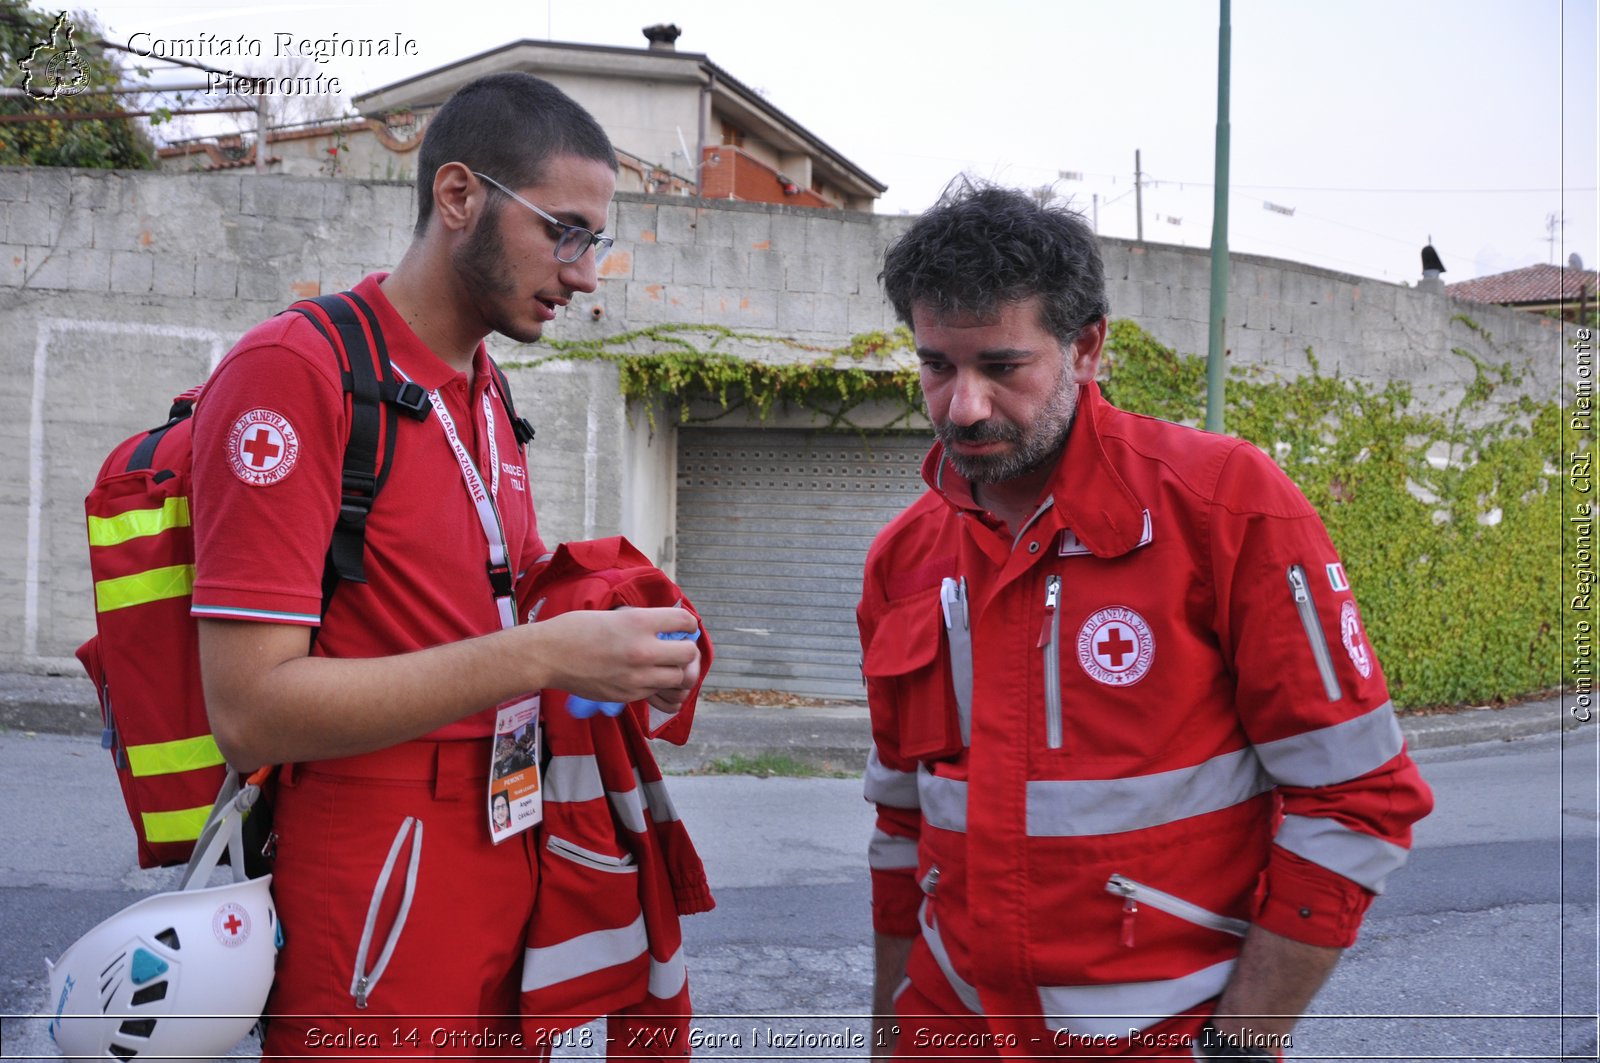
183,973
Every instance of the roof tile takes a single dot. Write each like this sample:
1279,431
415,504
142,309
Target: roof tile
1531,284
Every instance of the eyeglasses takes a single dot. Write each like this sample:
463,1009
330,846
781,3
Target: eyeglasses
574,239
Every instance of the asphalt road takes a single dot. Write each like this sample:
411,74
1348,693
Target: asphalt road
1484,947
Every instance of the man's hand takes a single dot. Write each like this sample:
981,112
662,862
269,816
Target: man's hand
1272,985
890,954
616,656
670,701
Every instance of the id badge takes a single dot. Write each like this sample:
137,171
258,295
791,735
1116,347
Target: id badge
516,800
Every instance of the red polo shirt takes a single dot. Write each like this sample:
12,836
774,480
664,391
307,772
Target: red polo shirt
269,438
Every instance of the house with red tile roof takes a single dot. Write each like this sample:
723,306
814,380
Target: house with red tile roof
682,125
1560,291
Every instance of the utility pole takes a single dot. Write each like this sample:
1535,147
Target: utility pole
261,130
1216,372
1138,194
1097,212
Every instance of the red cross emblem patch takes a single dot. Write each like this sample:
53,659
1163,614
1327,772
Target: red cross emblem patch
1115,646
262,447
231,924
1355,643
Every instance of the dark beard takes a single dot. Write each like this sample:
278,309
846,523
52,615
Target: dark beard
480,263
1030,451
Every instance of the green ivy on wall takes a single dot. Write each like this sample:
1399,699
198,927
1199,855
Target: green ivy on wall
676,362
1448,523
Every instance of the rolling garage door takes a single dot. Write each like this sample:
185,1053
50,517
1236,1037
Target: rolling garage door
773,528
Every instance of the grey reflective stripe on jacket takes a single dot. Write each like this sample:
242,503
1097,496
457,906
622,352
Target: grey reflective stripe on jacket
888,852
1335,754
885,786
967,993
657,799
1068,808
1063,808
1117,1007
573,779
584,954
667,978
1359,857
576,779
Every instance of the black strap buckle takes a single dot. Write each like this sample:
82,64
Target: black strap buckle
500,580
412,398
355,500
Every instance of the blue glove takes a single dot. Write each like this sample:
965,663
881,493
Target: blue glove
583,708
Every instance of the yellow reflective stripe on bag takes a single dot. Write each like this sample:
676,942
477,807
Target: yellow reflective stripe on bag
170,758
173,581
138,523
184,825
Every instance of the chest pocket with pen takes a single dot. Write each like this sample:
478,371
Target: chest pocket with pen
907,665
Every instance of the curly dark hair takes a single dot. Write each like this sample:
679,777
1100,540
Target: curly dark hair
983,245
508,126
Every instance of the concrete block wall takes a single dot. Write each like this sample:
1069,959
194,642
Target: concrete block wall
805,275
122,289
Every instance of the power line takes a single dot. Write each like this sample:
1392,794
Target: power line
1153,181
1420,191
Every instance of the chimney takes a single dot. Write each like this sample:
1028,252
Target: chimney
1432,267
662,37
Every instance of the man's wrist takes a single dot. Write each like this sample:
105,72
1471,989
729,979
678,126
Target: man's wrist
1214,1044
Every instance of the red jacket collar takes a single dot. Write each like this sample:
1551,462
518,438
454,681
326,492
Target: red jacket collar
1088,494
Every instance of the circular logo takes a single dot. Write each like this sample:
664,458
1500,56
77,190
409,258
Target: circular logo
1355,644
231,924
1115,646
262,447
65,74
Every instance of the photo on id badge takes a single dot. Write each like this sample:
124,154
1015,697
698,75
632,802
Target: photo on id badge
515,799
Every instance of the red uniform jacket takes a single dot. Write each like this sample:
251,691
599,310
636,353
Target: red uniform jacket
1105,744
616,865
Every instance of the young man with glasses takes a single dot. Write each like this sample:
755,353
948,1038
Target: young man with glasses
393,706
1137,772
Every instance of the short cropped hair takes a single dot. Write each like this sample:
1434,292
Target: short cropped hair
507,126
982,246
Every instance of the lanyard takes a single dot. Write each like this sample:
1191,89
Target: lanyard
483,500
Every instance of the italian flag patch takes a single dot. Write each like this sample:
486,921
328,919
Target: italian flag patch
1336,577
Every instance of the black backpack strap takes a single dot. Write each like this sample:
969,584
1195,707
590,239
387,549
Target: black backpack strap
375,393
144,455
520,425
358,483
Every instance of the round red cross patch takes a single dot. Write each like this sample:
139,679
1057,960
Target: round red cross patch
1355,643
262,447
231,924
1115,646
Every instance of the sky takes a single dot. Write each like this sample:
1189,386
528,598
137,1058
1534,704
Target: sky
1381,124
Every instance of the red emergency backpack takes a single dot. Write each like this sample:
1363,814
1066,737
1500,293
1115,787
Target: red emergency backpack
145,658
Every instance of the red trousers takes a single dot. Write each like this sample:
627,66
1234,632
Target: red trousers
451,985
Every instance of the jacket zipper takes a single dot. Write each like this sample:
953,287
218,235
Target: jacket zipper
1050,643
930,881
1133,892
1301,590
